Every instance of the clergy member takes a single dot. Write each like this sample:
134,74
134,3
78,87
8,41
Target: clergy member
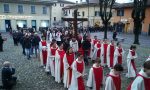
93,42
113,81
69,58
59,66
78,68
142,80
131,62
104,52
51,58
43,51
95,79
118,54
74,45
110,54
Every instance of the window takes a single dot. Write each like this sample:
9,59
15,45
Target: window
6,8
69,11
97,13
65,13
20,9
62,5
33,9
78,13
120,12
83,13
55,4
54,18
44,10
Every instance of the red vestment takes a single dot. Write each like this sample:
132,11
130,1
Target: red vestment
117,81
61,54
105,52
120,57
80,68
112,49
44,52
70,59
98,74
99,50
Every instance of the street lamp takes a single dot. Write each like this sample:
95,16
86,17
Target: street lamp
88,14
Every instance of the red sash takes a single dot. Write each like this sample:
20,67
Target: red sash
112,49
70,59
105,52
99,50
117,81
80,68
132,61
146,83
53,51
120,57
98,74
44,53
61,54
95,41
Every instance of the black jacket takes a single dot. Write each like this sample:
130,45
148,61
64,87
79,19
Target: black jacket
7,73
86,45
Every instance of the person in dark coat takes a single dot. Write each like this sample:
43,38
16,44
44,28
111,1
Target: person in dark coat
8,80
86,45
114,35
28,46
1,43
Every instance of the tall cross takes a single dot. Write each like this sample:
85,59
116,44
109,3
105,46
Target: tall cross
75,21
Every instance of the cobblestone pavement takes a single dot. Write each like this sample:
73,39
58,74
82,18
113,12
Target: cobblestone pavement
32,77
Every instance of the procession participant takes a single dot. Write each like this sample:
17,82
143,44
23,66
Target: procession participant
142,80
113,81
110,54
50,65
69,58
58,37
74,45
130,62
43,51
118,54
104,52
97,50
59,66
78,68
96,77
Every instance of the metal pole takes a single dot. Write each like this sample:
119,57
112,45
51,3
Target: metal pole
88,16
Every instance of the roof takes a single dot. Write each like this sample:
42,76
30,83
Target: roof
64,1
38,2
127,5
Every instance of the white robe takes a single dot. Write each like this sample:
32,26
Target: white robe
74,45
91,78
109,85
131,71
58,38
116,54
75,75
50,60
138,83
94,55
40,50
92,48
108,54
51,36
66,73
57,67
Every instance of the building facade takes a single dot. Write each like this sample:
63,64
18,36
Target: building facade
24,14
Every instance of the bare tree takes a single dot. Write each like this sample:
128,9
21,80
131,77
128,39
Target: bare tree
138,15
106,13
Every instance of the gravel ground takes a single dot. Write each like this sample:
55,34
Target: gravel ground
32,77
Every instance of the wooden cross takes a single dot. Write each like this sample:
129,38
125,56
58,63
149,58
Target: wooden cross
75,21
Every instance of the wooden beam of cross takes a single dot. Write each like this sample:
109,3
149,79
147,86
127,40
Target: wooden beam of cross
75,21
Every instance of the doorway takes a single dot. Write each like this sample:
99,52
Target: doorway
33,24
8,25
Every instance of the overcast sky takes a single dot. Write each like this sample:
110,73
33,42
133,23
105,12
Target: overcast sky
120,1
